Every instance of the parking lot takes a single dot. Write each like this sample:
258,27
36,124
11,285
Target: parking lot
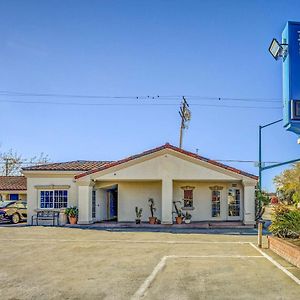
68,263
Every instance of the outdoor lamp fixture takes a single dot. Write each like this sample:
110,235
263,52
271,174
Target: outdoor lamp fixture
278,50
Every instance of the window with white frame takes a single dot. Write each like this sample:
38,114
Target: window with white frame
234,202
54,199
215,203
216,200
188,197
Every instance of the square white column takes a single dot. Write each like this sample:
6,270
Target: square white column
85,204
167,201
249,203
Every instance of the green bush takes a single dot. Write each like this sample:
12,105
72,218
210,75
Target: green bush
285,222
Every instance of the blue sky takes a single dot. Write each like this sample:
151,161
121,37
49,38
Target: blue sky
135,48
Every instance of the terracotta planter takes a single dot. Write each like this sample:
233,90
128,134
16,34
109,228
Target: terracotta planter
72,220
178,220
152,220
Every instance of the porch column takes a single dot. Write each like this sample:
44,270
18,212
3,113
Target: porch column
166,201
85,202
249,203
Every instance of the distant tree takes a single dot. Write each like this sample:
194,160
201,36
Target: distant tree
12,162
288,185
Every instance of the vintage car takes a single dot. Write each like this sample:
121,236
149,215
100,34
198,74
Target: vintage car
13,211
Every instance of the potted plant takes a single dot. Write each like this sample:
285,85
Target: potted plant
138,214
187,218
152,219
179,217
72,213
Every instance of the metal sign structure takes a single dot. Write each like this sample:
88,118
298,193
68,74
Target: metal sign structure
291,77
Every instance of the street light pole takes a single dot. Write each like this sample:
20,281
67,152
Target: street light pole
261,168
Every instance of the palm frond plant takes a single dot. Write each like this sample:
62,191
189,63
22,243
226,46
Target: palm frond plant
179,217
152,219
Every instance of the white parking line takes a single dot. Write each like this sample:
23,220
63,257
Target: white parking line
123,241
140,293
279,266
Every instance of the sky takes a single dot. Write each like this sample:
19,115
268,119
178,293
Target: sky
202,50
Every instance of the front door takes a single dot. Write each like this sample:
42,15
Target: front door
234,204
112,204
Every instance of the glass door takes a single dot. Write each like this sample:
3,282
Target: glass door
94,205
234,204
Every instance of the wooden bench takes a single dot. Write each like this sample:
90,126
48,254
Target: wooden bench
46,215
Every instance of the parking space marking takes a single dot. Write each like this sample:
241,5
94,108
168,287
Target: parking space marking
275,263
125,241
140,293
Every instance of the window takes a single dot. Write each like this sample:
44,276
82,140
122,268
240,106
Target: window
234,200
215,203
54,199
188,196
93,204
13,197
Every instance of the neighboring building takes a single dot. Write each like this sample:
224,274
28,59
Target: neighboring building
111,190
13,188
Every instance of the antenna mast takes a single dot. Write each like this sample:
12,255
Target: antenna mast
185,115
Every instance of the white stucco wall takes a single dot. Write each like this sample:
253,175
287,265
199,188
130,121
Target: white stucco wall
166,166
33,192
202,196
132,194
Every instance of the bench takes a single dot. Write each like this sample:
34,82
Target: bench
46,215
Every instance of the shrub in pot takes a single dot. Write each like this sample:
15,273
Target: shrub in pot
138,215
152,219
72,213
187,218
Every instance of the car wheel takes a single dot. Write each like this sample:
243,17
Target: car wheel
15,218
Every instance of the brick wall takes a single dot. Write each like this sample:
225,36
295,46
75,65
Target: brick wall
285,249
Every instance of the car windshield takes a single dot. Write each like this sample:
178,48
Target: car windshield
4,204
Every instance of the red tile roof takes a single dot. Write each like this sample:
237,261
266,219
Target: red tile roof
13,183
171,147
77,165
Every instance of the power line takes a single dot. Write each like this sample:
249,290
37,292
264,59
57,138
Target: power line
133,104
139,97
245,161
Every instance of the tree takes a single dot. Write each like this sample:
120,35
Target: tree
288,185
12,162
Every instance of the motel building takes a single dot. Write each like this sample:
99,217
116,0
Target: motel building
110,191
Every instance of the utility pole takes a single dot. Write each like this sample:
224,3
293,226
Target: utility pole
185,115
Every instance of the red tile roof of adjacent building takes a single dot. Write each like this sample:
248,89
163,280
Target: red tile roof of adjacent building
13,183
166,146
77,165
